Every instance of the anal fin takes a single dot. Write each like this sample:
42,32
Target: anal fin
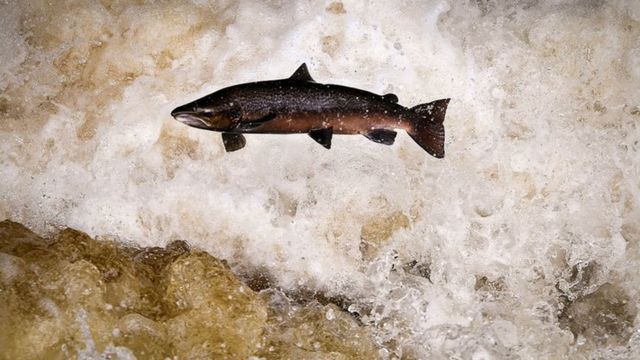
233,142
322,136
382,136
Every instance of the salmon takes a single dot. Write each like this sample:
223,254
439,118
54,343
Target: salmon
298,105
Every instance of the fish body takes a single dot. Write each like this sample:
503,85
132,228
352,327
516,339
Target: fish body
298,104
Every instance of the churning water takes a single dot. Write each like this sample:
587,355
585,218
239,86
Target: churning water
524,242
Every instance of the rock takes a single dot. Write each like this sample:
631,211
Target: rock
377,231
71,296
604,317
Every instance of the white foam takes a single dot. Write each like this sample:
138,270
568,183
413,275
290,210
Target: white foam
542,152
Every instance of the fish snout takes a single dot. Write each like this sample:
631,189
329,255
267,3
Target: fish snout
181,110
186,114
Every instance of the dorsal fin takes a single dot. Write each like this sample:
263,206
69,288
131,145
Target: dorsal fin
390,98
302,74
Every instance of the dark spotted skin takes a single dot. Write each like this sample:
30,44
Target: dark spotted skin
298,107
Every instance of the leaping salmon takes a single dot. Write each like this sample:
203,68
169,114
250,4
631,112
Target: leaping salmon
298,104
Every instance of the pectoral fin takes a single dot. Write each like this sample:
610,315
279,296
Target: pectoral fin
233,142
322,136
248,124
382,136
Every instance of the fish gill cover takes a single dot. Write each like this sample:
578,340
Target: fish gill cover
523,243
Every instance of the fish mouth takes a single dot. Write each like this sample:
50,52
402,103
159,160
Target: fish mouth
190,118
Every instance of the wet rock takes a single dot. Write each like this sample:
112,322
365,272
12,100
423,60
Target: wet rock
16,239
416,268
71,296
483,284
604,317
313,331
213,314
142,336
377,231
581,279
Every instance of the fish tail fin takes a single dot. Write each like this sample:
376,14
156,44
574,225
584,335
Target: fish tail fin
428,128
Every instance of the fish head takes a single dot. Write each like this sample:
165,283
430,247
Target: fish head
211,112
